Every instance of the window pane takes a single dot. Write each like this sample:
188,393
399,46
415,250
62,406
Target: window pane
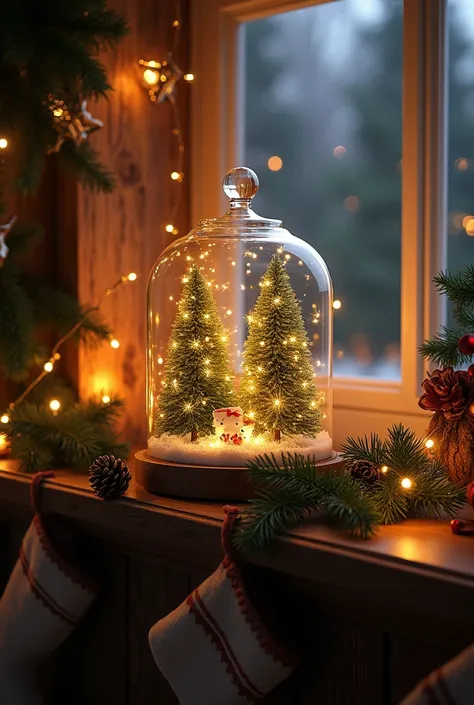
323,95
460,135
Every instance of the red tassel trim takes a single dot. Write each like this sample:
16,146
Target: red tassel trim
266,641
41,594
65,565
226,660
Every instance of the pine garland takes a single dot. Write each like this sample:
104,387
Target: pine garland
72,439
27,302
49,51
443,348
289,493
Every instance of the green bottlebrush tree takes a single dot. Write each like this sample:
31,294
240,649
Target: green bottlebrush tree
198,377
443,350
408,484
278,388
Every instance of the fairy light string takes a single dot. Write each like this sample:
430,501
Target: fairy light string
54,356
159,79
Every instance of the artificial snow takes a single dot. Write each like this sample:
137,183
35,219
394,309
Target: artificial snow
211,451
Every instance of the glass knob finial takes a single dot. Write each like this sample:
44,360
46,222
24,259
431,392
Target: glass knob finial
240,183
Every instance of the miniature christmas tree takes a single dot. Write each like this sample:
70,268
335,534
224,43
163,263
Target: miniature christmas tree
278,388
198,375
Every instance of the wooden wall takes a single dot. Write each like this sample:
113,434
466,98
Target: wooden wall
124,231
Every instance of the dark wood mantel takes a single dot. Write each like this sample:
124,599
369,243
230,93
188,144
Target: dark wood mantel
400,603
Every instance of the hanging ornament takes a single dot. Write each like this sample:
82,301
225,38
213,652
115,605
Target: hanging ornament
466,344
73,126
160,78
4,230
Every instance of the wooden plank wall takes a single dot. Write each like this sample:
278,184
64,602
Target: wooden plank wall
124,231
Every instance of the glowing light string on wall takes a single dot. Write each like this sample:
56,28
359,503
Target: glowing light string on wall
55,356
160,78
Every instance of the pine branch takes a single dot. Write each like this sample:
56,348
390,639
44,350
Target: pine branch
73,438
435,497
294,491
457,286
389,500
269,514
18,349
404,451
371,449
352,508
443,349
62,311
85,165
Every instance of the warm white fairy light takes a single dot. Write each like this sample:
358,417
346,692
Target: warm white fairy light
160,360
336,304
406,483
3,143
176,176
114,343
169,228
384,469
106,399
429,443
48,366
55,405
277,402
4,418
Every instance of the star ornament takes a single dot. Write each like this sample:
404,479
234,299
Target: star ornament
72,126
4,230
160,78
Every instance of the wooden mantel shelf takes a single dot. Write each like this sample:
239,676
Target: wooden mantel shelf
419,566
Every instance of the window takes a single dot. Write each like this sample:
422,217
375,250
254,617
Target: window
323,106
460,162
342,107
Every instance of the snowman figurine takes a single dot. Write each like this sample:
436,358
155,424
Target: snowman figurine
229,425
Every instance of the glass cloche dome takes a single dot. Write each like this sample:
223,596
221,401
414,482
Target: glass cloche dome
239,349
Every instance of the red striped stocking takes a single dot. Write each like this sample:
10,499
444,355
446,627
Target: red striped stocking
452,684
214,648
43,602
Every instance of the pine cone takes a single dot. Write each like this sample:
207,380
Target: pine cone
109,477
366,471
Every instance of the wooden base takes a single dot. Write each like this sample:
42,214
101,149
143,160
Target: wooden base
203,482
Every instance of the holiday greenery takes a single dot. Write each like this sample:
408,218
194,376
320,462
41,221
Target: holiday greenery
278,388
73,438
49,52
48,70
198,376
410,483
444,349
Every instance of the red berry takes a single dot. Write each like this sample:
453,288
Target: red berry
457,526
466,344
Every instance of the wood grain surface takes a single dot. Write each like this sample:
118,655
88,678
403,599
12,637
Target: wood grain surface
124,231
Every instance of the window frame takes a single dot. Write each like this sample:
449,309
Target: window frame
360,405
